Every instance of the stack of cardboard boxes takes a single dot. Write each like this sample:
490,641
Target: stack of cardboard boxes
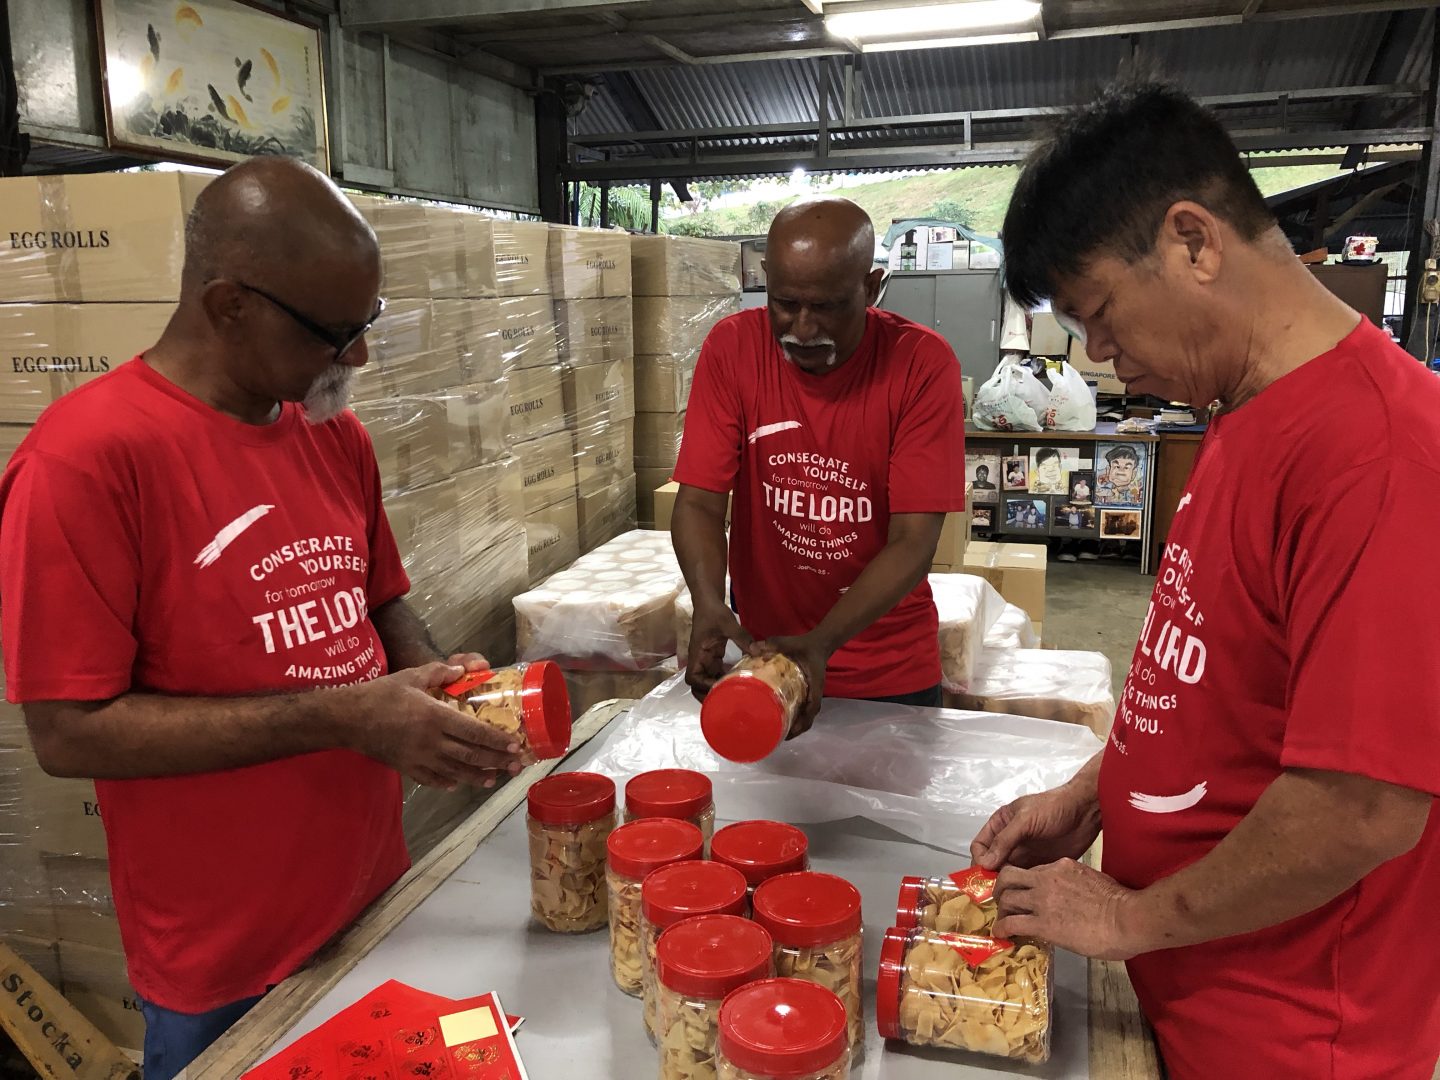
683,287
590,282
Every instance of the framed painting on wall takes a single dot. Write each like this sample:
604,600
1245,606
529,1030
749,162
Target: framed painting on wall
211,81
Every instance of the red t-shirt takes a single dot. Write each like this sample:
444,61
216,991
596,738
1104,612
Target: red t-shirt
1293,625
818,464
150,543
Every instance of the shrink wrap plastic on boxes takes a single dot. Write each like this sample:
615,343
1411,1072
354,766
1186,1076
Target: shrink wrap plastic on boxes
968,608
1051,684
684,266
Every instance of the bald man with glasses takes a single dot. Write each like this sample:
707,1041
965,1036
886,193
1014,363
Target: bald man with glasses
203,610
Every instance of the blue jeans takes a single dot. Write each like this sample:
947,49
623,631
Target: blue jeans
174,1039
921,699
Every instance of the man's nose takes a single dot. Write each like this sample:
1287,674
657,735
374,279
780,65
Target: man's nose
806,327
358,355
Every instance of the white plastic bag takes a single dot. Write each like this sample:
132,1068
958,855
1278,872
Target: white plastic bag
1011,400
1072,405
968,607
1012,630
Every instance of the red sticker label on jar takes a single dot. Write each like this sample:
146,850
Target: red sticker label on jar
976,950
977,883
462,686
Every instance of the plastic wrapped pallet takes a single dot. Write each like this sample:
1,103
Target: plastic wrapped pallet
1051,684
600,394
460,328
100,237
657,439
490,504
512,333
81,901
968,607
604,456
96,983
50,349
477,424
613,610
547,469
678,325
537,403
684,266
662,383
411,437
647,482
401,230
426,524
467,604
521,259
606,513
590,688
39,953
552,536
1012,630
407,357
588,263
594,331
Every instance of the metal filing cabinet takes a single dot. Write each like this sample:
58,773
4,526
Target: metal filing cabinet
963,305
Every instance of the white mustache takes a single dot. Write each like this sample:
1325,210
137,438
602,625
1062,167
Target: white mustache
329,394
813,343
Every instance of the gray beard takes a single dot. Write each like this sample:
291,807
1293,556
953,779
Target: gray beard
329,394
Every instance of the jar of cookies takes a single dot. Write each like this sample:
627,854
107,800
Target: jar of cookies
783,1029
958,903
750,711
697,963
529,702
966,992
815,922
635,850
761,849
678,892
569,819
673,793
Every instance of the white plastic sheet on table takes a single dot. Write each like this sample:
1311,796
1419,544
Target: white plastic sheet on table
1067,686
968,606
882,791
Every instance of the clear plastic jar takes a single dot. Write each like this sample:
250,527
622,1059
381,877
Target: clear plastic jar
570,818
761,849
529,702
964,992
673,793
678,892
816,924
635,851
750,711
961,903
783,1029
698,962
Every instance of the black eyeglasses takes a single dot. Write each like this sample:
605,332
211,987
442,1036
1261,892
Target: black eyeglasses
342,340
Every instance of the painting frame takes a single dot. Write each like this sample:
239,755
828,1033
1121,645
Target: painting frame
1011,526
982,519
990,462
1130,493
1061,512
1015,466
1066,459
167,118
1116,524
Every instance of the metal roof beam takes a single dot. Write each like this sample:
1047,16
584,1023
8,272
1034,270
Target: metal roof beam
414,14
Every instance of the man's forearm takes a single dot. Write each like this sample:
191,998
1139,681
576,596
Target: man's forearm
404,635
1086,782
890,577
144,735
700,547
1276,864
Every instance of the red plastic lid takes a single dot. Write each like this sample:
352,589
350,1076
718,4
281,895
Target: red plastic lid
743,719
545,702
783,1028
887,982
907,904
682,890
807,910
761,849
711,955
677,793
571,798
641,847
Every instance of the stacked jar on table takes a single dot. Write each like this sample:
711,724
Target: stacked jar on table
783,1029
636,850
673,793
569,819
761,850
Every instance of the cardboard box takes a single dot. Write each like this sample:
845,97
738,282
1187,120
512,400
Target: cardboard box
521,258
547,469
99,237
537,403
25,905
647,484
683,266
657,439
513,333
478,236
96,983
552,539
600,394
64,813
662,383
665,505
1016,570
467,608
677,325
954,539
80,895
410,354
426,524
404,237
47,350
588,262
604,455
594,331
1102,375
411,436
477,423
1047,336
606,513
491,504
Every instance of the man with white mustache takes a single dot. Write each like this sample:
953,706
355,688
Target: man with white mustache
203,610
839,429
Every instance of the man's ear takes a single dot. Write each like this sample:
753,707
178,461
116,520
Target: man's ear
873,281
1192,234
223,303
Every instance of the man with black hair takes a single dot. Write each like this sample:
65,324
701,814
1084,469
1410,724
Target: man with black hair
982,478
1271,858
